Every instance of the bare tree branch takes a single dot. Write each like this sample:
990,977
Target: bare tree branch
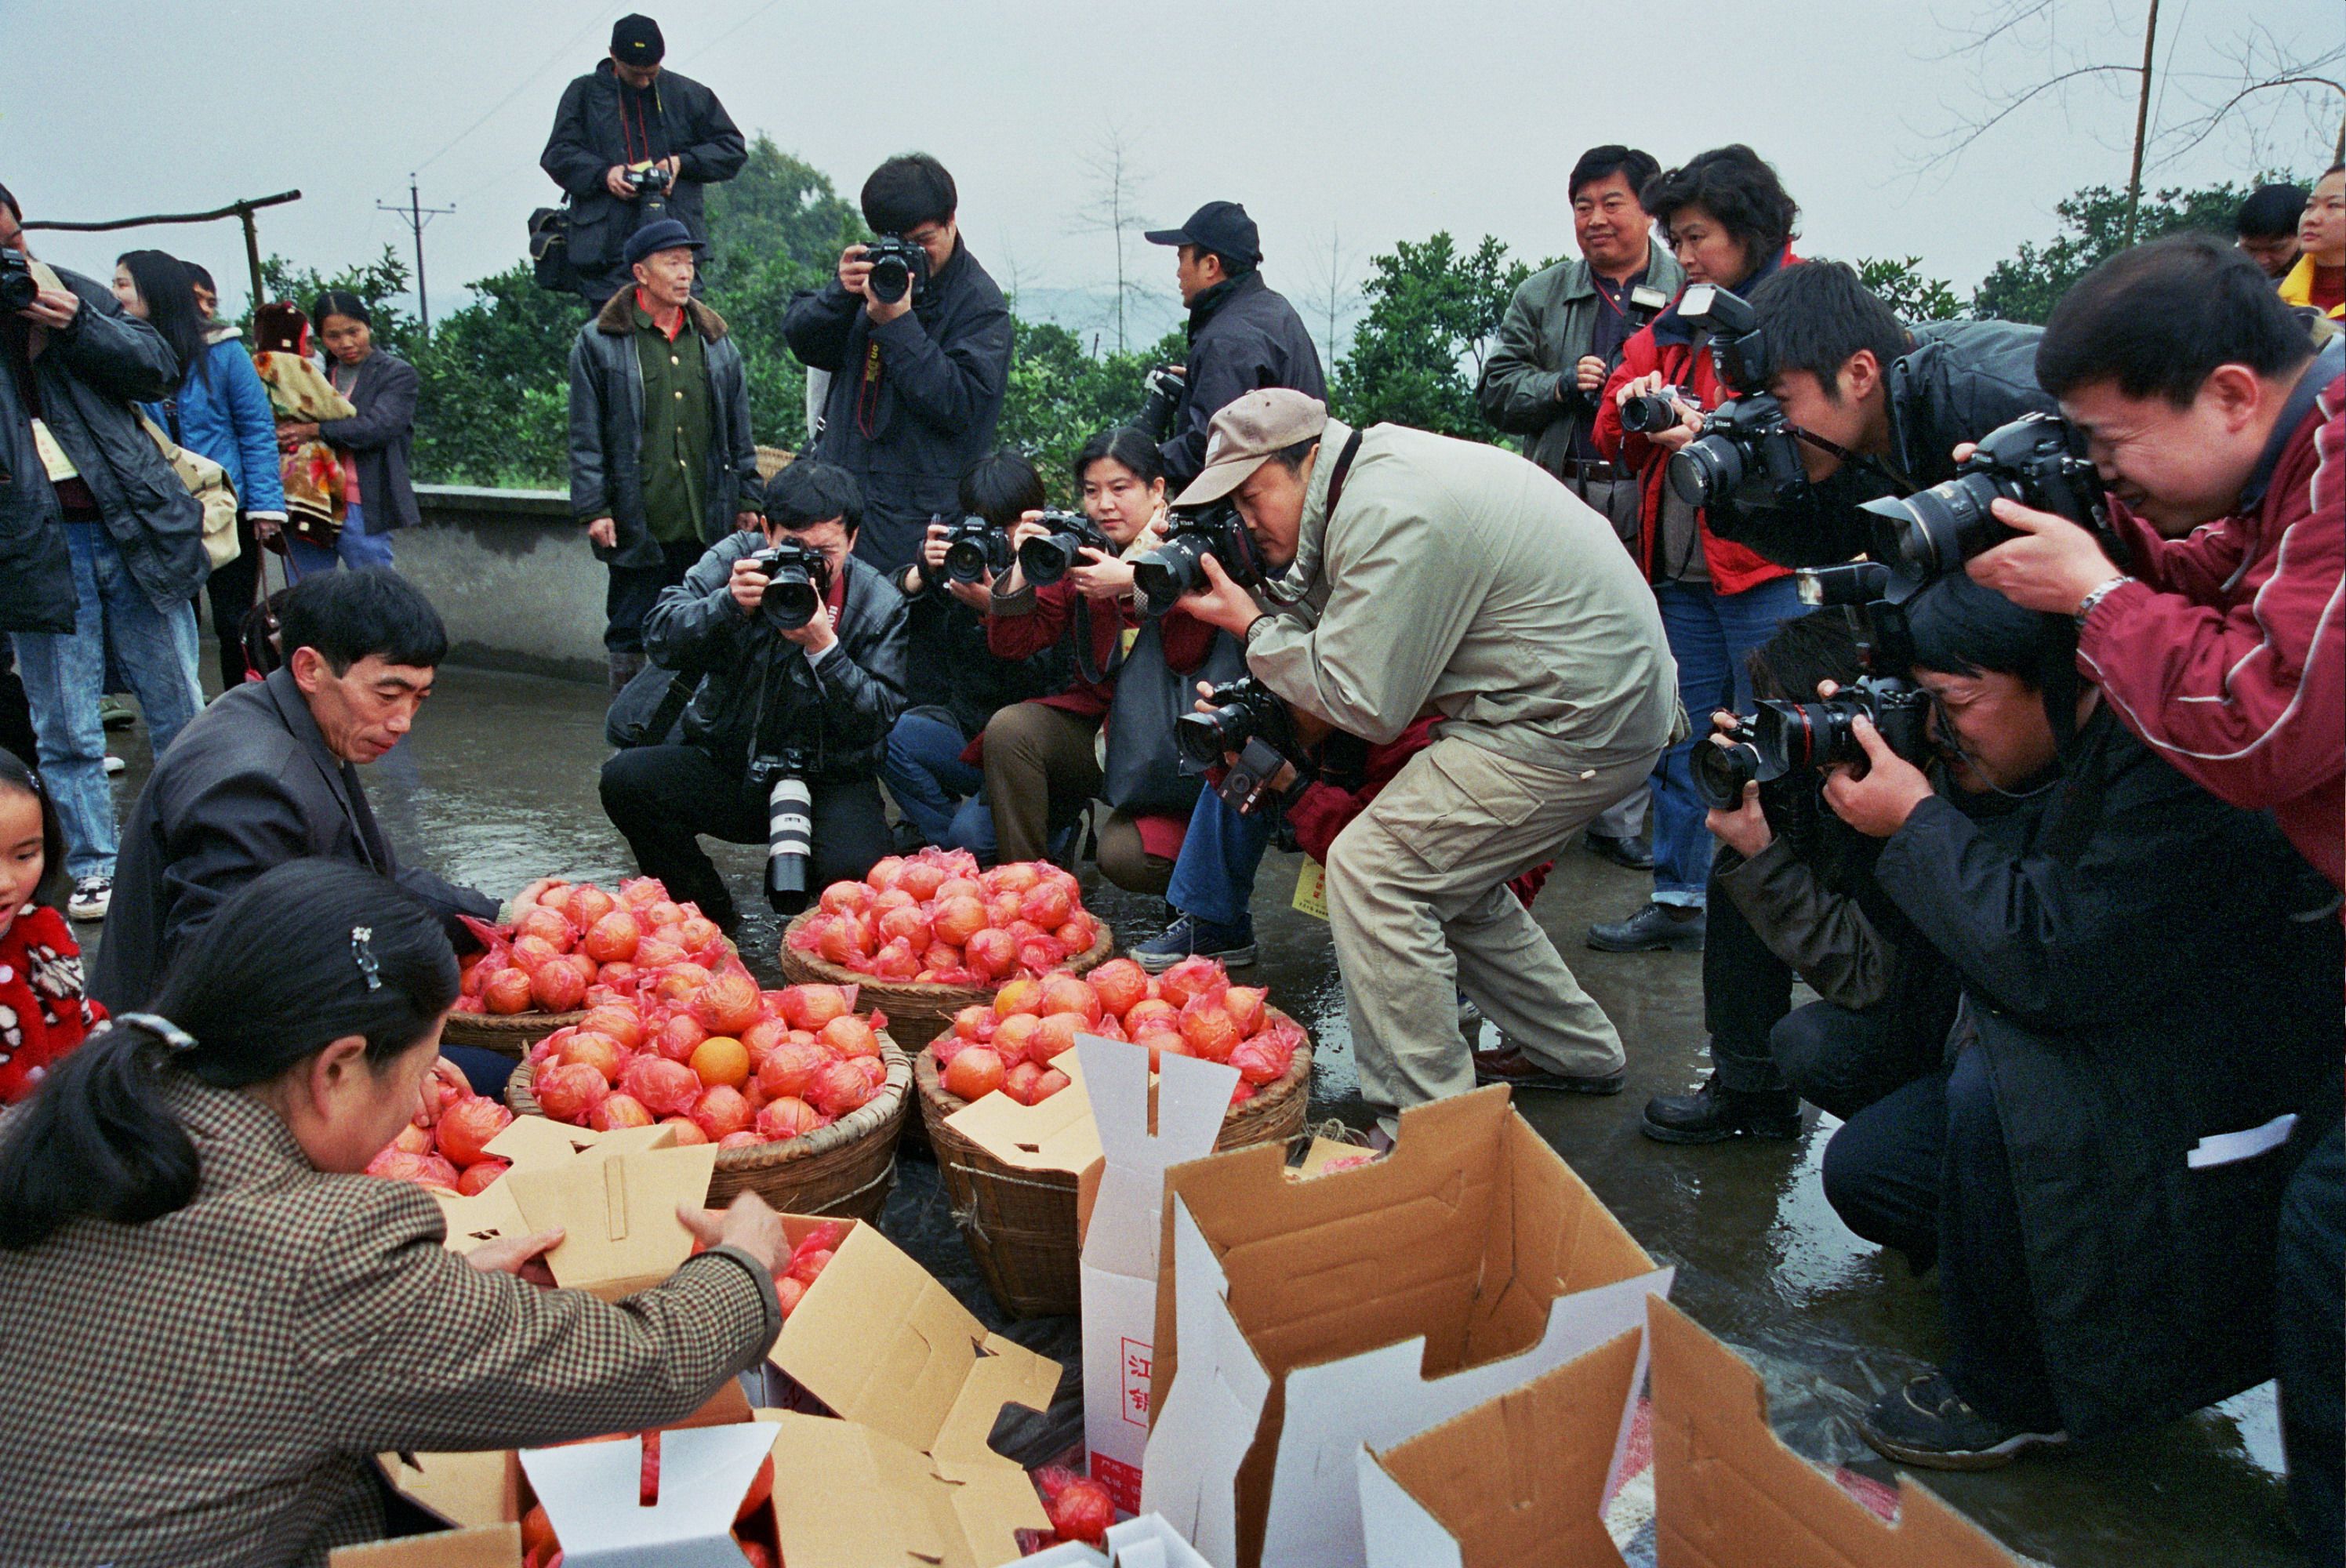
1112,208
1974,131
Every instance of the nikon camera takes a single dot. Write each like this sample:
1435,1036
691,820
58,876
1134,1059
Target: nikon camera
18,287
1165,384
1046,560
897,263
1241,719
975,547
2037,460
796,579
1177,566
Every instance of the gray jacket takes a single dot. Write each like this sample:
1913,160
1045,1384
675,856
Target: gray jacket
248,785
1458,578
1550,323
88,376
606,431
384,391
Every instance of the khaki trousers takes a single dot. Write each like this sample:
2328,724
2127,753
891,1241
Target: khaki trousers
1418,901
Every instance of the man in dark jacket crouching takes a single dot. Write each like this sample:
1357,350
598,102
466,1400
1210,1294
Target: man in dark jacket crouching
813,701
2098,1171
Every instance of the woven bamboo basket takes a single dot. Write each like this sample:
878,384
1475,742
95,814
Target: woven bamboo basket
509,1033
844,1171
1021,1224
916,1013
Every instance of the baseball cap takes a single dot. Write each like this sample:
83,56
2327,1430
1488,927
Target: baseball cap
1245,436
635,40
1221,227
667,234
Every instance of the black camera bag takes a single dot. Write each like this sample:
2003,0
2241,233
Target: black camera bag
649,709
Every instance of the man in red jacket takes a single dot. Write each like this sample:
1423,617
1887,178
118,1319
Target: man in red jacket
2217,429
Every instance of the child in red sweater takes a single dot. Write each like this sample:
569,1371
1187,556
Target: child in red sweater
43,1013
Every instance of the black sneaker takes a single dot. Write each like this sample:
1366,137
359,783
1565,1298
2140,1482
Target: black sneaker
1189,937
1637,854
1654,929
1714,1114
1928,1424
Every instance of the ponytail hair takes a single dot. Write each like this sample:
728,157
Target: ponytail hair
304,954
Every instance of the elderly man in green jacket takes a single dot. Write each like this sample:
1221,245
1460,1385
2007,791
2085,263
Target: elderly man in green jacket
1439,575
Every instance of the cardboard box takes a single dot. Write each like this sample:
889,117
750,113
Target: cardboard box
616,1212
486,1546
887,1347
1147,1542
1120,1210
1723,1479
1517,1481
1058,1135
1298,1321
534,1143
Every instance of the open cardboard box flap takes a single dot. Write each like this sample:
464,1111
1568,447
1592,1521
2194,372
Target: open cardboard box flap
589,1493
885,1346
1056,1135
1364,1306
1519,1480
1147,1542
618,1214
532,1144
1724,1479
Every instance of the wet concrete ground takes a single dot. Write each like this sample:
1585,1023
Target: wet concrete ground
498,786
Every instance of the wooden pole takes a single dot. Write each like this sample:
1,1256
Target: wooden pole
252,252
2141,122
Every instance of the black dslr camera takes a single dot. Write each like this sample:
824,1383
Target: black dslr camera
651,185
1046,560
1748,453
1785,740
18,287
1164,383
796,579
1177,566
2037,460
897,263
1652,412
790,827
1243,719
973,547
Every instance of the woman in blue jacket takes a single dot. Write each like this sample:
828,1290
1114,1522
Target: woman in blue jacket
220,411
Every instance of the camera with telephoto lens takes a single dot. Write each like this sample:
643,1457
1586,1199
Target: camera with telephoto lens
796,579
1177,566
1783,739
1164,383
2037,460
1748,453
897,263
1652,412
1046,560
18,287
975,547
790,827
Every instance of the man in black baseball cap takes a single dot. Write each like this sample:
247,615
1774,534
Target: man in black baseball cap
633,143
1242,336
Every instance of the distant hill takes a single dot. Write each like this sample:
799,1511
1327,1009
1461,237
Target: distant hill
1088,312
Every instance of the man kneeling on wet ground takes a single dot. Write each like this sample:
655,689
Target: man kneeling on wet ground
2097,1169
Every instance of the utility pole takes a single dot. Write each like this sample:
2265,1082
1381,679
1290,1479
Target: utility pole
2141,122
415,215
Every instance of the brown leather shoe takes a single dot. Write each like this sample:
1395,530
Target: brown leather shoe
1509,1065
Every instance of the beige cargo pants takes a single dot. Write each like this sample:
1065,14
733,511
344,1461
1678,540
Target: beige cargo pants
1418,901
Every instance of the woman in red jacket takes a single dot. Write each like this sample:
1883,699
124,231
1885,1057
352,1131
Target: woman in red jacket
1729,222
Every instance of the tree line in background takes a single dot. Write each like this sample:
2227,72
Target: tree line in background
493,408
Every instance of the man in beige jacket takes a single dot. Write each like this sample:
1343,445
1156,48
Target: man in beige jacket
1442,575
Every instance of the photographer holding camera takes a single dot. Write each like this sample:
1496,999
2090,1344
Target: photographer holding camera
633,143
1242,335
1528,634
916,337
662,463
1730,222
2099,1170
2217,640
800,649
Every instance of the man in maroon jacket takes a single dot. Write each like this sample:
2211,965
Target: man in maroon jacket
2217,429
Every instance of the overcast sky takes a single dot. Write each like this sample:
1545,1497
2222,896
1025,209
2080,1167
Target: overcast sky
1374,120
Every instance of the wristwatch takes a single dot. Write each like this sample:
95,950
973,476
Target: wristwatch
2086,605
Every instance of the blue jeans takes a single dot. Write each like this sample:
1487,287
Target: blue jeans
65,674
942,794
354,547
1213,880
1710,634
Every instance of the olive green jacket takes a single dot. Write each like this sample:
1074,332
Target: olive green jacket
1549,325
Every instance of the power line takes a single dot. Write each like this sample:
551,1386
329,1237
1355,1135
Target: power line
565,47
415,215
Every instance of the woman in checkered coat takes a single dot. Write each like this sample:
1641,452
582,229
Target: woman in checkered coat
209,1322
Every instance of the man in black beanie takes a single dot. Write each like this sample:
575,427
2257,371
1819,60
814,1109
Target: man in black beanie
633,143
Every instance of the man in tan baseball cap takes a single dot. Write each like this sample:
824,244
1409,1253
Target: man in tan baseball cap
1423,574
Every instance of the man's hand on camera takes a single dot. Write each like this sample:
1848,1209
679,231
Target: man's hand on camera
674,164
977,596
1878,804
1588,375
2052,567
1101,575
53,308
816,635
1689,424
748,586
854,271
883,311
615,180
1744,829
603,530
1221,602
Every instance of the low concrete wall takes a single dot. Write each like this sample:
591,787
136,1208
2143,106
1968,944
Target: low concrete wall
512,576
